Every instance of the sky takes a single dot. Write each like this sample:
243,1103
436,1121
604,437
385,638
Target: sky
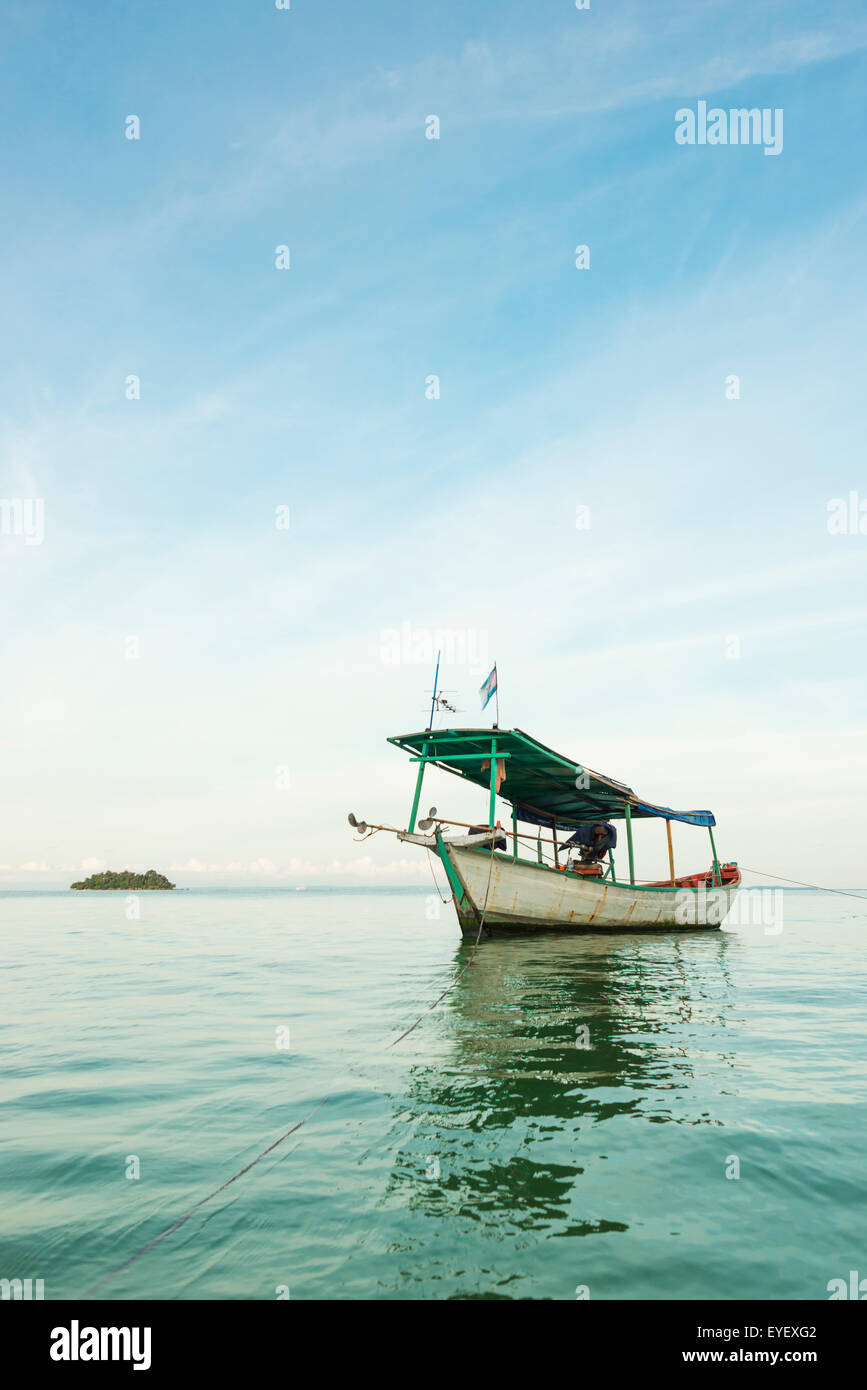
242,502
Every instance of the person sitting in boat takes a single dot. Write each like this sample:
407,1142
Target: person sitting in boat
593,841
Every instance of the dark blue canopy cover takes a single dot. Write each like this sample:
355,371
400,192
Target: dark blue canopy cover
688,817
531,816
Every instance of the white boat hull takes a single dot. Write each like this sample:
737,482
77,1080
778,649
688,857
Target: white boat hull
516,895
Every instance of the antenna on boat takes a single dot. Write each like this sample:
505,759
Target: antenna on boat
443,704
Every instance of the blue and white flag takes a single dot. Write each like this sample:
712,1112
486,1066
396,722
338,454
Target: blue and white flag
489,687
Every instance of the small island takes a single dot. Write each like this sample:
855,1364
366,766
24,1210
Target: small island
125,879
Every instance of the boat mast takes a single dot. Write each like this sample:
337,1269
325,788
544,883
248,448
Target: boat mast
414,812
433,702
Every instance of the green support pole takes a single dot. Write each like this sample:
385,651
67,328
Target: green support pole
629,842
493,782
514,833
611,866
456,886
418,781
539,847
717,876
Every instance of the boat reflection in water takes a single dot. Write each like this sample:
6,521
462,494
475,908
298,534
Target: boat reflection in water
563,1075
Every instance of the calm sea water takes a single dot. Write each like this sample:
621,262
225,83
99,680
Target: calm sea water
488,1154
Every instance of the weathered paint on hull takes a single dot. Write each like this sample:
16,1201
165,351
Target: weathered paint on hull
531,897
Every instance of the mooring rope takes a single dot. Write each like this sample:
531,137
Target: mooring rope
469,962
180,1221
817,886
193,1209
434,877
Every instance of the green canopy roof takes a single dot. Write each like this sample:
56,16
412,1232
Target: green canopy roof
542,785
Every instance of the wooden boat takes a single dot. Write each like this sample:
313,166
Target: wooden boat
499,890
